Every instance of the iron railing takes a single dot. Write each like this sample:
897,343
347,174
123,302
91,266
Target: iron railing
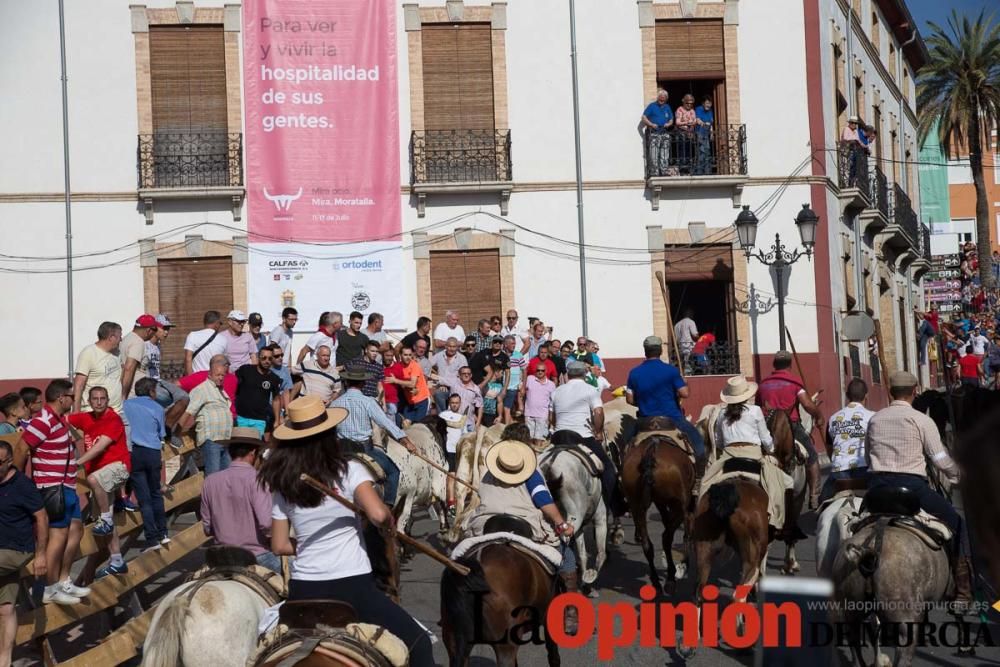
880,191
171,370
719,359
876,366
852,168
925,242
460,156
903,214
855,355
719,151
190,159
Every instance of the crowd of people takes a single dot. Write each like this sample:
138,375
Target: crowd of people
679,141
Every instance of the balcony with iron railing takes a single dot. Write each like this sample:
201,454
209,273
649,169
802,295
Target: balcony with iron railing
902,234
922,264
853,176
703,157
190,165
460,162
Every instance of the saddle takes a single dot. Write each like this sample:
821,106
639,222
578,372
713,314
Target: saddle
589,460
900,507
675,436
355,643
266,583
371,464
547,557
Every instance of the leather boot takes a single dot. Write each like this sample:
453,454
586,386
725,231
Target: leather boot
571,620
961,572
812,481
699,473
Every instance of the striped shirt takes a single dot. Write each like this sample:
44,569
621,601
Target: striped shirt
211,408
362,411
52,448
540,495
899,438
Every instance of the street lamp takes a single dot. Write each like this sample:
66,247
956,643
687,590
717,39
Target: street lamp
778,256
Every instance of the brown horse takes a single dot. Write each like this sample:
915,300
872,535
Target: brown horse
780,426
656,471
479,607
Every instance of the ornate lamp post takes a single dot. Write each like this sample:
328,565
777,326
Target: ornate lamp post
778,257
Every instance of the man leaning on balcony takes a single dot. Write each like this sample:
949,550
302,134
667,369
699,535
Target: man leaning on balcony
850,142
657,119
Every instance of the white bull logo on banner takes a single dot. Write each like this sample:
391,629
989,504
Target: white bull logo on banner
282,202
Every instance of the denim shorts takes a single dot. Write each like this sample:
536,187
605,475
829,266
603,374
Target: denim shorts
72,509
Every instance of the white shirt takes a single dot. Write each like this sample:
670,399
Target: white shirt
686,333
330,545
318,340
196,339
456,432
572,403
750,427
847,429
980,344
444,332
516,331
379,336
316,381
282,338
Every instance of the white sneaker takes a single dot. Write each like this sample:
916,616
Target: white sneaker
75,591
165,541
154,547
55,594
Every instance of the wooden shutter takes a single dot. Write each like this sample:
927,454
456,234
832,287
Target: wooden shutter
699,262
690,50
468,282
188,288
188,74
458,76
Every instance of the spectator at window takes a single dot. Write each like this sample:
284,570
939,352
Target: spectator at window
658,118
704,132
686,334
699,353
686,120
850,142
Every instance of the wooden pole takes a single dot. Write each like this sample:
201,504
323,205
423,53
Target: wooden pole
403,537
440,469
881,358
670,321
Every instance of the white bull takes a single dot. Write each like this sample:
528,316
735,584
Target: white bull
420,485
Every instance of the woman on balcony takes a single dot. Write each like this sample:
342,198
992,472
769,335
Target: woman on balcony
686,120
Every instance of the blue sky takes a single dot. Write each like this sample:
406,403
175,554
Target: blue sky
938,11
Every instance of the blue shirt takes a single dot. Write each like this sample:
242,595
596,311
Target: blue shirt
285,375
540,495
705,116
862,136
146,422
361,412
660,115
654,385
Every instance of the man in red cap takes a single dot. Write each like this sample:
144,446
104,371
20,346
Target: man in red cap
132,349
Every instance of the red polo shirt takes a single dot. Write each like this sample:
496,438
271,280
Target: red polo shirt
550,368
781,390
93,427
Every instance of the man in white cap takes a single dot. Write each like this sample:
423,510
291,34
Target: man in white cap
899,443
852,147
241,349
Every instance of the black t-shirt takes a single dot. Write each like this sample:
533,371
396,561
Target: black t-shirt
410,339
350,347
19,500
559,363
255,392
481,360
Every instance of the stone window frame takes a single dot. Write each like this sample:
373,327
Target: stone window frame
463,238
184,12
194,246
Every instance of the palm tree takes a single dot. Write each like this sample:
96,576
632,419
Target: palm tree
959,91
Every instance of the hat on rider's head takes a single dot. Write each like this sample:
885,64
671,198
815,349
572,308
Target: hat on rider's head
356,372
903,379
783,355
738,390
243,435
652,341
511,461
307,416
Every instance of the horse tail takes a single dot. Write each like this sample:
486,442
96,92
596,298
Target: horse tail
646,467
723,499
458,601
163,647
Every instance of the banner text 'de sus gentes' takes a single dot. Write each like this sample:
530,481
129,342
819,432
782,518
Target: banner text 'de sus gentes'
322,120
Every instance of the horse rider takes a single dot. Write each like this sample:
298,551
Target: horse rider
900,441
576,406
741,431
355,432
513,486
784,390
655,388
845,439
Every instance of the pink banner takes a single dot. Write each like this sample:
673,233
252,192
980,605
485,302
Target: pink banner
322,120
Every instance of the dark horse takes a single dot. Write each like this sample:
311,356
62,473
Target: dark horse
780,426
656,471
968,404
480,607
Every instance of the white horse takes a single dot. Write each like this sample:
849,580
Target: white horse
217,625
578,494
470,467
420,485
832,531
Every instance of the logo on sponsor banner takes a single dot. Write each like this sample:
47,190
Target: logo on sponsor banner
288,299
366,265
282,202
360,301
276,276
288,269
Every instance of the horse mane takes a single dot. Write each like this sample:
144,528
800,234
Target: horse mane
780,426
224,555
457,598
979,459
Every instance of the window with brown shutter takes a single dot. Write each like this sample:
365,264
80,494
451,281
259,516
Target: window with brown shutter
188,75
467,282
188,288
690,50
458,76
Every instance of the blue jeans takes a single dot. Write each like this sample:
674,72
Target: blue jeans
440,397
930,501
146,463
569,558
391,473
167,393
924,333
417,411
851,473
270,561
216,457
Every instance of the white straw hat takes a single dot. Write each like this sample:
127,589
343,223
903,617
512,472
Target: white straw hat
511,461
738,390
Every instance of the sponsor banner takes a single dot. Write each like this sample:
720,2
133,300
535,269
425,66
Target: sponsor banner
358,276
322,120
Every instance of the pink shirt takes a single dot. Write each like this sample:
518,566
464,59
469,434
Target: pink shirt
538,397
238,349
847,135
236,510
685,118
